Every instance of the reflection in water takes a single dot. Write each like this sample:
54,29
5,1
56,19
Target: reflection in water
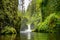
41,36
25,36
34,36
7,37
54,36
31,36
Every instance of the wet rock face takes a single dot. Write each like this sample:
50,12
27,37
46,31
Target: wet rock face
25,27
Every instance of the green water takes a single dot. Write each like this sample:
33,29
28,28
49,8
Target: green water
31,36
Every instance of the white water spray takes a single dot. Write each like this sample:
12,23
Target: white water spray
27,30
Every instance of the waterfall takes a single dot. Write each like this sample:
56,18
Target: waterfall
27,30
29,27
26,4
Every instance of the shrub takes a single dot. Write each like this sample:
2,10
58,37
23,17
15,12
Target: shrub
8,30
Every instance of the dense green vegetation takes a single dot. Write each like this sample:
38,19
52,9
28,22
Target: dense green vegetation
8,30
9,15
49,24
50,16
43,14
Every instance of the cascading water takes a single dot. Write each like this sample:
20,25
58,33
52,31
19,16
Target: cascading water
27,30
25,6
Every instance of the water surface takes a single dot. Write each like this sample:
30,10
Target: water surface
31,36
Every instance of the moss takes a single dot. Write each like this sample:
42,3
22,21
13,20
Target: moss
8,30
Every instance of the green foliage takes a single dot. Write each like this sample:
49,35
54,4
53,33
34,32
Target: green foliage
49,6
33,14
50,24
50,20
45,25
8,30
9,15
44,14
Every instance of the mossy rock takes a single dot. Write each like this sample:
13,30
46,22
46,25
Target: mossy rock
8,30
